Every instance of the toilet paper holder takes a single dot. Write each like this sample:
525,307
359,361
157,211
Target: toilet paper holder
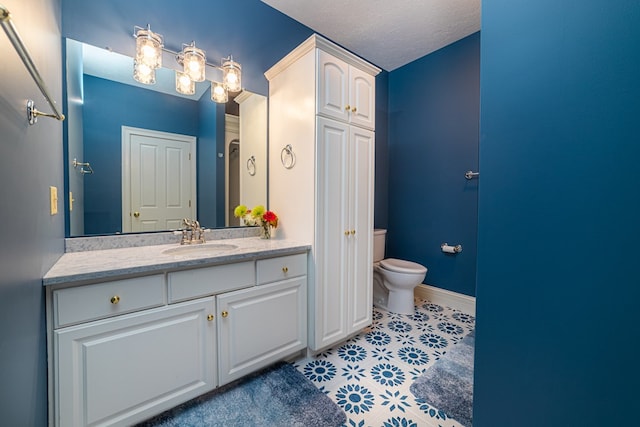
448,249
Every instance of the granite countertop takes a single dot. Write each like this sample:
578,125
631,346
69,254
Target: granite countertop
99,264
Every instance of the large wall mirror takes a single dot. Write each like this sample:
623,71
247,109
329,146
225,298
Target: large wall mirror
141,157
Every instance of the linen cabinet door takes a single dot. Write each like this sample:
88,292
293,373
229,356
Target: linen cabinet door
260,325
126,369
360,200
362,95
333,231
333,87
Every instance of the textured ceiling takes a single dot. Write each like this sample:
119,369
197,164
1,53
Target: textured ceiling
388,33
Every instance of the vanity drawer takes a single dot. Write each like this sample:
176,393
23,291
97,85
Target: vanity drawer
280,268
99,300
200,282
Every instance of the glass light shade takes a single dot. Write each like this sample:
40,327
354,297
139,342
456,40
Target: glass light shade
144,73
194,61
184,84
232,75
148,48
219,93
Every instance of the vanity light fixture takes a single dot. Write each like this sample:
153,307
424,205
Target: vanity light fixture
193,60
232,74
148,47
184,84
144,73
219,93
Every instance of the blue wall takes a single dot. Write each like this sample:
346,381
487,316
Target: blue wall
127,106
433,140
558,241
32,239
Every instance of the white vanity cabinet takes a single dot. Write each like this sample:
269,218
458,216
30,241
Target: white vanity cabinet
128,368
321,178
122,351
260,325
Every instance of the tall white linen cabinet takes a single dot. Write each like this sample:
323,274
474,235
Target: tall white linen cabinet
321,179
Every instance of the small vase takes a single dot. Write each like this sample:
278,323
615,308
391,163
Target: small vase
265,231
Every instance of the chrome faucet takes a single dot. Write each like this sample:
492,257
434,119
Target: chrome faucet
191,232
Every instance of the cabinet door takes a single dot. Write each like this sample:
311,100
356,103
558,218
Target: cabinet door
360,200
362,95
332,234
259,326
126,369
333,87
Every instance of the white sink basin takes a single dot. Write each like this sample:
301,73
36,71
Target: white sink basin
200,249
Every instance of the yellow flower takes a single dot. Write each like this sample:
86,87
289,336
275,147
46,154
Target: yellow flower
258,211
239,211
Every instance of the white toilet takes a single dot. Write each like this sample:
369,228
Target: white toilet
393,279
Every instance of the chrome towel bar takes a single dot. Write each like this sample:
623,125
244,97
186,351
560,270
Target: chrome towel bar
16,41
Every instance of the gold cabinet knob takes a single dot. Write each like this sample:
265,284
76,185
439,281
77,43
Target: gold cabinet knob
285,269
210,317
353,232
348,107
136,214
346,232
225,313
115,299
353,110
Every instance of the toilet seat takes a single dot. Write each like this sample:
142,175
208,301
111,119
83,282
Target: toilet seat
402,266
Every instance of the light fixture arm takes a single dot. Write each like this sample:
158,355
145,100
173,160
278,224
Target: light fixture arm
180,61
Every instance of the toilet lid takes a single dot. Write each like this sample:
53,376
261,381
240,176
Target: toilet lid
402,266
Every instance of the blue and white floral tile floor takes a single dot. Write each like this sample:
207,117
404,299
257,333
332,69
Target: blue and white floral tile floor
369,375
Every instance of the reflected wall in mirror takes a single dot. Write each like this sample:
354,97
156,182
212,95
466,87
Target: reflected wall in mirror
103,100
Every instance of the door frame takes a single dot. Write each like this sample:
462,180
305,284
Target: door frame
127,131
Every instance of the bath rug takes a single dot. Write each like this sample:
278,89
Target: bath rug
276,396
448,384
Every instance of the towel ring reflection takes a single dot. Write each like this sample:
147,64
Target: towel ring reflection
251,165
287,154
82,165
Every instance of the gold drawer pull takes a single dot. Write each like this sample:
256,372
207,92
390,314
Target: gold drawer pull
210,317
285,269
225,313
115,299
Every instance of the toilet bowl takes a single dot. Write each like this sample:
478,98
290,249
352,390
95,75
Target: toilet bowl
394,279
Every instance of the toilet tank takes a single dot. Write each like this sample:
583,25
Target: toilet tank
379,239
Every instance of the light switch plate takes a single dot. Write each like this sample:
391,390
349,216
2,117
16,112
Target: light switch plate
53,193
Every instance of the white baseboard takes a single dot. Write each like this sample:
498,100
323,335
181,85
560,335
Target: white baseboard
464,303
